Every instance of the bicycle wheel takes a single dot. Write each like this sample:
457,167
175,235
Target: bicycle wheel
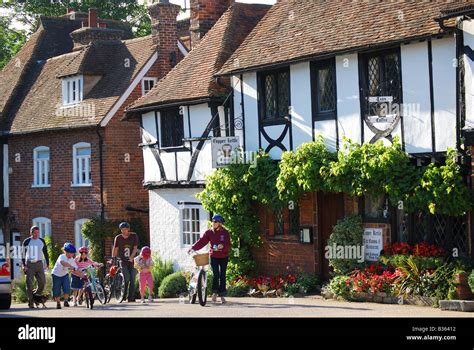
202,287
119,287
100,293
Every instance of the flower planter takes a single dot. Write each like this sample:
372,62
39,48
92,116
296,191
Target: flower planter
463,290
420,300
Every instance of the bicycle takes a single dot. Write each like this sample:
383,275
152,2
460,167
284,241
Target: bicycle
198,281
114,282
92,288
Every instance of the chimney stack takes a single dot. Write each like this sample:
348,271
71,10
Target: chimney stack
164,32
92,17
92,31
204,14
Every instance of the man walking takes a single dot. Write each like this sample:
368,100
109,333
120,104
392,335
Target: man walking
126,248
35,260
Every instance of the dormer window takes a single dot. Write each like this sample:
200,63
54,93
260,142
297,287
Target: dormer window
72,89
147,84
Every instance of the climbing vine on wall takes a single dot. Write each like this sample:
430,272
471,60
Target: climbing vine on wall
357,170
233,192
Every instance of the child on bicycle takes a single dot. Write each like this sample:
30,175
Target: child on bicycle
82,261
60,274
143,264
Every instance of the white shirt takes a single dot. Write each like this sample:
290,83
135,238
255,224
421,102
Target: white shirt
35,250
60,270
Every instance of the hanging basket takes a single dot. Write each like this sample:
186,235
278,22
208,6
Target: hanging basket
201,259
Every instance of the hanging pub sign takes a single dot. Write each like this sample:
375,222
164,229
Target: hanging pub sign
382,116
225,151
373,243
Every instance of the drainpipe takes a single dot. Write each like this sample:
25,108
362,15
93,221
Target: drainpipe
101,173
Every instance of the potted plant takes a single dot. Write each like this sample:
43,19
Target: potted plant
463,290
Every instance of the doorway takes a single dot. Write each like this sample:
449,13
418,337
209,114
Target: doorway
330,209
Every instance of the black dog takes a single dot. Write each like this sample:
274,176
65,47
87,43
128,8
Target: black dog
40,299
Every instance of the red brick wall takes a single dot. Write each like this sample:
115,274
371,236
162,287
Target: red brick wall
204,14
54,203
278,255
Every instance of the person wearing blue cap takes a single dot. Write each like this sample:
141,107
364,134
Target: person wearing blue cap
60,274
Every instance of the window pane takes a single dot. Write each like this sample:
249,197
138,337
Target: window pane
172,128
283,93
83,151
392,76
270,98
42,155
326,90
373,71
279,222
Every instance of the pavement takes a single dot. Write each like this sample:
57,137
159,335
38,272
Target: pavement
310,306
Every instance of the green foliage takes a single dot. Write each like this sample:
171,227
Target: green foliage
414,279
339,286
238,289
424,262
54,250
11,40
372,169
232,192
444,281
28,12
308,282
442,190
173,285
96,230
347,232
301,171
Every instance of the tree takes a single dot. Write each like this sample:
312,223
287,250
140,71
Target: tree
11,40
28,12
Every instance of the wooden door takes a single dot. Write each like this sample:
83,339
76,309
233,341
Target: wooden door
330,209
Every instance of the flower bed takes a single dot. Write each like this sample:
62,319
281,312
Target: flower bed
405,274
275,285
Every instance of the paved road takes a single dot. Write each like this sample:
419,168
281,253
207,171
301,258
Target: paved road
313,306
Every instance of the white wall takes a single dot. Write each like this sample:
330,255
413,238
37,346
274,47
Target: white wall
301,114
468,28
6,186
415,85
251,111
348,103
152,171
444,92
165,224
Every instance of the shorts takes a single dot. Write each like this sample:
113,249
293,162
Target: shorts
76,282
61,283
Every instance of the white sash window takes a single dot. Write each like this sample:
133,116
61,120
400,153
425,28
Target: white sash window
41,167
82,164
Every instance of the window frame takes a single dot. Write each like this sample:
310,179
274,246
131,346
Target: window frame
79,239
163,127
75,159
365,79
36,167
261,96
147,79
315,67
40,221
68,90
193,235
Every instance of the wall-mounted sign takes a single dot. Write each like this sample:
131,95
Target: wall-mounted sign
390,118
373,243
380,99
225,150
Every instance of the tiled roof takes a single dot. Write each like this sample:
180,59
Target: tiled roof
296,29
40,108
193,78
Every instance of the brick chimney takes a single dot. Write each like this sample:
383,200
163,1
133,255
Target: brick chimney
164,32
91,31
204,14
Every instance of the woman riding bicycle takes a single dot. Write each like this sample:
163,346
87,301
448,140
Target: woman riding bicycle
219,238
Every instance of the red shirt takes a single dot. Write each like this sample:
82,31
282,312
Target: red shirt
221,236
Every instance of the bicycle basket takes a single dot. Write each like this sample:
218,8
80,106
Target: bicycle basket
201,259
